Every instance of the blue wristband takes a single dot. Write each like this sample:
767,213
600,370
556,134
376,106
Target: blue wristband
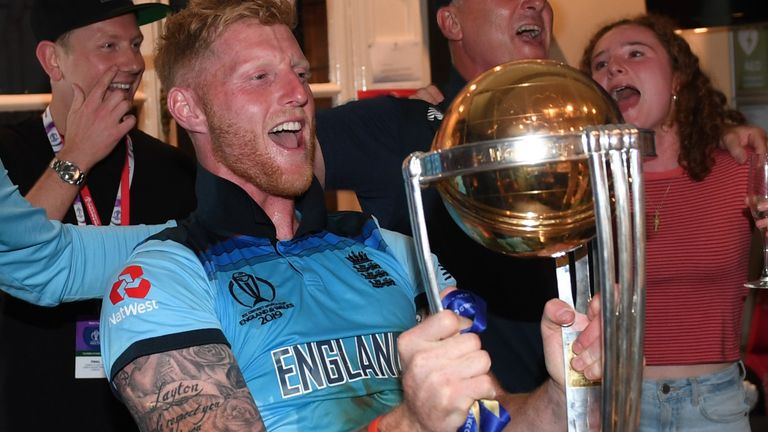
468,305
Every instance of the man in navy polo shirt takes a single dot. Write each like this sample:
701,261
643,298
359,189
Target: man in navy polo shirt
364,144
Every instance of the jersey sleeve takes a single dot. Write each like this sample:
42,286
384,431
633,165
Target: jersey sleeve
46,263
160,301
403,249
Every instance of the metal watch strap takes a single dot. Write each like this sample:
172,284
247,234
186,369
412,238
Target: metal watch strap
68,171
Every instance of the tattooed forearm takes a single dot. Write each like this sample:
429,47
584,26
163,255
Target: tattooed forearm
193,389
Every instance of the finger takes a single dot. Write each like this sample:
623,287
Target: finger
441,325
430,94
423,94
102,85
435,94
443,371
477,363
476,388
464,323
453,350
457,357
589,362
734,140
739,153
464,359
121,109
592,330
558,313
128,122
435,328
455,397
595,307
78,96
589,336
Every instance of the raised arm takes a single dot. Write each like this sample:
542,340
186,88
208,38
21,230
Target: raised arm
95,124
444,372
544,409
47,263
197,388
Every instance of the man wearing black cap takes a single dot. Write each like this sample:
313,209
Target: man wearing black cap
85,163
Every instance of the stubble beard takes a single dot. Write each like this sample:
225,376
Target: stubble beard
243,152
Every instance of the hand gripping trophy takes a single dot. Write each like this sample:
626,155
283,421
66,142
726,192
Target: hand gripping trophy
532,160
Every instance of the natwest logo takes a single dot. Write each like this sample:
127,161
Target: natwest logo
130,283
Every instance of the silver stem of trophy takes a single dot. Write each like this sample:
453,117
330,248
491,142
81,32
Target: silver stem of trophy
582,395
614,155
418,224
624,291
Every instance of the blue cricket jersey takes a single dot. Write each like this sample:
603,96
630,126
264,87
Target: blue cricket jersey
312,321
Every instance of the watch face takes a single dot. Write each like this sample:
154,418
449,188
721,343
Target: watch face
68,172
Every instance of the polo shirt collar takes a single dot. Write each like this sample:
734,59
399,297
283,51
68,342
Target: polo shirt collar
225,208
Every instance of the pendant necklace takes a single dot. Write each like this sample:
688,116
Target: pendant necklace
656,213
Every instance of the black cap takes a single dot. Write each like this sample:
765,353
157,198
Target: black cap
52,18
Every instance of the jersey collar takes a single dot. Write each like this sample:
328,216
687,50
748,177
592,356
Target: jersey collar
227,209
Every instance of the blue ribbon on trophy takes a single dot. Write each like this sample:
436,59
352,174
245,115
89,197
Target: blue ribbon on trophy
484,415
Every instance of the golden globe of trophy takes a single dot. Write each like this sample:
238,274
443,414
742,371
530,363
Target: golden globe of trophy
532,160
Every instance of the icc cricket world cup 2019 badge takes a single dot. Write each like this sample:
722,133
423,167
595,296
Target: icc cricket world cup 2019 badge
88,350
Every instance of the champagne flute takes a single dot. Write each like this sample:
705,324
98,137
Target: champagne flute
757,194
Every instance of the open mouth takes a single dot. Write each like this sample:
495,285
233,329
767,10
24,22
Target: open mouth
529,31
622,93
626,97
120,86
286,134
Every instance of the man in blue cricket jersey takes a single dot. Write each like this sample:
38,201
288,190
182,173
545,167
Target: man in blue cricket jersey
263,311
261,307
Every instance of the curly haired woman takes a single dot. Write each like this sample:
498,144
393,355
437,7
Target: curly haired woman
698,229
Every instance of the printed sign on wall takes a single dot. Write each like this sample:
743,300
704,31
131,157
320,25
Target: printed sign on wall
750,48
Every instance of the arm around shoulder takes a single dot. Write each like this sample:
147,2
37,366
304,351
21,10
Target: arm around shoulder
46,263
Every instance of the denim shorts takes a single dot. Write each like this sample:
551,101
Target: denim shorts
715,402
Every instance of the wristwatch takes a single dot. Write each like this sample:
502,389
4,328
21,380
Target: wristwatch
68,171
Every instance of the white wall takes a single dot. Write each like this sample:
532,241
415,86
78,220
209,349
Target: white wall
150,113
368,21
395,29
714,50
577,20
